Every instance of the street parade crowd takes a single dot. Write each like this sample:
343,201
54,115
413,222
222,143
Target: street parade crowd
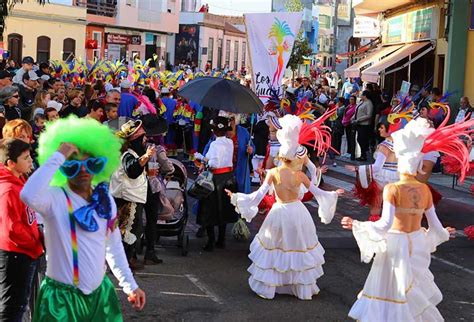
89,150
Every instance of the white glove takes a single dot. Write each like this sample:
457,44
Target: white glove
198,156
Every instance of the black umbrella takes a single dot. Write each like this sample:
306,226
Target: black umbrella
221,94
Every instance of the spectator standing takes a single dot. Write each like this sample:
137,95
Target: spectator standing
9,98
111,111
96,110
76,104
349,128
20,241
26,66
28,90
51,114
362,120
350,87
44,70
425,98
337,129
465,110
5,78
128,101
41,102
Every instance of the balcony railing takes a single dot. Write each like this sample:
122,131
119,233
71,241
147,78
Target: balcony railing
107,8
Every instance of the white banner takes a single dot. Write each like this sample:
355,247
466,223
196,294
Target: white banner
271,37
365,27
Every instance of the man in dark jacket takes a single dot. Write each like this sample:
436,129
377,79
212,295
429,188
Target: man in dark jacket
20,242
28,92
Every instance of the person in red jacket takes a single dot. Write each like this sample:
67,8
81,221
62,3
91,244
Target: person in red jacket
20,243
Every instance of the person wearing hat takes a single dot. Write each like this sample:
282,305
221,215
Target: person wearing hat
5,78
128,101
26,66
28,90
216,209
129,186
70,191
156,201
9,98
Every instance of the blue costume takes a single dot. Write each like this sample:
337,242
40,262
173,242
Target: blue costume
242,168
170,104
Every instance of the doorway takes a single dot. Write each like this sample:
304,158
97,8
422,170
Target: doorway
15,47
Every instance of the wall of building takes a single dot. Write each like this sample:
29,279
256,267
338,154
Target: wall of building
55,21
469,79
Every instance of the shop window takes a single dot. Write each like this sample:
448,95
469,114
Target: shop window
43,47
236,55
210,50
219,53
15,47
227,53
244,53
69,49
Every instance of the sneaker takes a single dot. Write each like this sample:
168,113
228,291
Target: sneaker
334,164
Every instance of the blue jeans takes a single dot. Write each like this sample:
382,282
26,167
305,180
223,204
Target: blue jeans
17,272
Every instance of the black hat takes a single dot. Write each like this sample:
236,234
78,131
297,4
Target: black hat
154,125
5,74
220,123
28,60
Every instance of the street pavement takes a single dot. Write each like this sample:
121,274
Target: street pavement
213,286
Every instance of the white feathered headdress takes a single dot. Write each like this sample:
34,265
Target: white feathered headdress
288,136
408,143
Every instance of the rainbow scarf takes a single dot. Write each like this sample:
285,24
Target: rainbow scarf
75,259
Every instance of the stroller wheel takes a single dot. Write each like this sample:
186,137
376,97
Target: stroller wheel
184,250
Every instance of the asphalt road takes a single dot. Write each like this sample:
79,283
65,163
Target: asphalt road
213,286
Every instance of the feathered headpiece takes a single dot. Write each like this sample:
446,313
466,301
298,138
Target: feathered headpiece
400,115
449,140
287,136
317,134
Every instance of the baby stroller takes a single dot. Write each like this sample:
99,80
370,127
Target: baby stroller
175,191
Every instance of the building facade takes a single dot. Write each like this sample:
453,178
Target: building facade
210,40
56,30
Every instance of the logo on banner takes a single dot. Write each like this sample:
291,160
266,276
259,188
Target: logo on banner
277,34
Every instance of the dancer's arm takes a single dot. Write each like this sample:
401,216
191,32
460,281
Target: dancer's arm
370,236
247,204
436,233
327,200
36,193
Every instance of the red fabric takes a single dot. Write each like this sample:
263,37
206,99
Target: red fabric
18,227
307,197
374,217
372,196
469,231
222,170
436,195
267,203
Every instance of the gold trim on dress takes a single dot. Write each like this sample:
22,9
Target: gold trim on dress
281,285
284,250
290,270
389,300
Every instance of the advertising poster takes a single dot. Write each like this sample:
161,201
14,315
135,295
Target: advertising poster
187,45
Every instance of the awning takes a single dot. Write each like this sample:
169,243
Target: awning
372,74
354,70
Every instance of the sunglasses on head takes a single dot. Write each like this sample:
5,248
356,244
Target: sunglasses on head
71,168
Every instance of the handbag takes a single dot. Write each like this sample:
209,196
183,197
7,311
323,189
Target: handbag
203,186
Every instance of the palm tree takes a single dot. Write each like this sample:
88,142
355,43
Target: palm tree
7,5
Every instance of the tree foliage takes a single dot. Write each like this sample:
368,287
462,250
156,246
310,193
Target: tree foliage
294,5
301,48
6,7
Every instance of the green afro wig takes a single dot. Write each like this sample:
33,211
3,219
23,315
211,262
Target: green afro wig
89,136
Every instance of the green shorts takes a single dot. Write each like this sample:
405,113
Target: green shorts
66,303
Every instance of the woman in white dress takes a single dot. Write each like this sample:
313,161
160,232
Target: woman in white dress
400,286
286,255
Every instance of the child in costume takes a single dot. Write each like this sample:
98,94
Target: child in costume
70,192
400,286
286,254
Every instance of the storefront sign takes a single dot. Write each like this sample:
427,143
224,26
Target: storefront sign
136,40
420,24
91,44
365,27
187,45
344,12
411,26
117,39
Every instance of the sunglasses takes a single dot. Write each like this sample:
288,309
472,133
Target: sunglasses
71,168
16,96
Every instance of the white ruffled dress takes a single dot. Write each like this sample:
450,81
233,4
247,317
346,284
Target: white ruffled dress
400,286
286,255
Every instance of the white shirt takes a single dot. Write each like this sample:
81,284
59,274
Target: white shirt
94,248
220,153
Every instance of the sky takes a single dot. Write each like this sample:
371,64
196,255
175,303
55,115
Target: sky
237,7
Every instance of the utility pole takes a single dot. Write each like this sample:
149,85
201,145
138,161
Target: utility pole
336,6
